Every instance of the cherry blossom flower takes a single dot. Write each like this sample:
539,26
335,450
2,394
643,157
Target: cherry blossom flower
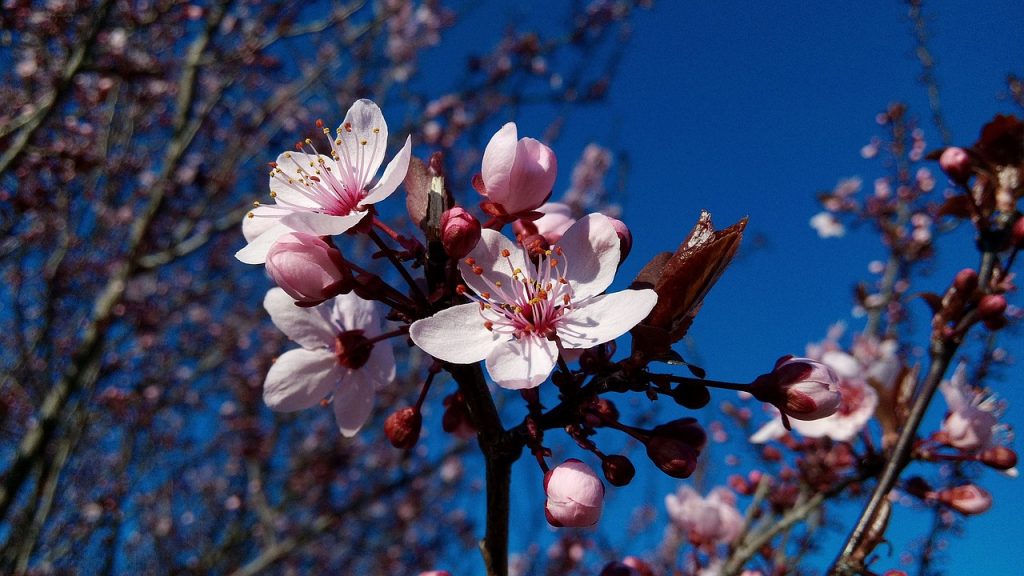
335,359
306,267
856,407
973,420
575,495
556,220
708,521
524,309
801,388
326,195
517,173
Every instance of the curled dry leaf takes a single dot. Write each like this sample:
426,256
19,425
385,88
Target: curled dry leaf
682,280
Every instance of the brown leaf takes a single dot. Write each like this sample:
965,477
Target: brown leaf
958,206
683,279
1002,141
417,187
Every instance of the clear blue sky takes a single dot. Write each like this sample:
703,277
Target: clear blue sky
749,109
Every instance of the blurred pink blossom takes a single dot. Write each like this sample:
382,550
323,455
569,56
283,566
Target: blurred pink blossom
705,521
973,420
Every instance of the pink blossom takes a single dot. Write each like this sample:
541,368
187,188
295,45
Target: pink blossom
708,521
856,407
306,267
326,195
575,495
517,173
524,308
827,225
973,418
801,388
967,499
335,359
460,232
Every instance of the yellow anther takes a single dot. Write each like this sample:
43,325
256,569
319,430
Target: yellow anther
497,283
250,215
256,204
273,194
308,141
363,142
376,130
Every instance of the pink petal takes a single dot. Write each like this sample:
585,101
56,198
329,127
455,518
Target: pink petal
350,312
300,379
380,368
495,267
522,363
309,327
770,431
353,402
394,174
533,175
499,158
591,249
456,334
604,318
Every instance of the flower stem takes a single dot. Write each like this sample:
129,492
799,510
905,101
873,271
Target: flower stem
420,296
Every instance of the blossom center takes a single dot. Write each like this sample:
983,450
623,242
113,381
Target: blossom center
536,300
352,349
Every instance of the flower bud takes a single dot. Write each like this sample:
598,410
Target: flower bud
642,568
992,306
675,447
436,573
1017,233
403,428
967,499
460,232
955,163
306,268
625,238
690,396
618,469
800,388
966,281
575,495
999,457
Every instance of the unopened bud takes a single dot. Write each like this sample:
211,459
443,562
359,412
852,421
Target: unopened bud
575,495
992,306
403,428
1017,233
674,447
625,238
460,232
618,469
966,281
999,457
967,499
956,163
306,268
690,396
800,388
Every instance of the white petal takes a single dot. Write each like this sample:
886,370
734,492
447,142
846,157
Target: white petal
845,365
300,378
495,267
770,431
604,318
309,327
591,249
255,252
353,402
522,363
294,165
264,217
380,368
350,312
394,174
321,224
363,118
456,334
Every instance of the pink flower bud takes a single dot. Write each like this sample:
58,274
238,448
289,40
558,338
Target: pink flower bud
306,268
436,573
517,174
575,495
625,238
403,427
992,306
967,499
999,457
460,232
675,447
618,469
1017,233
966,281
956,163
800,388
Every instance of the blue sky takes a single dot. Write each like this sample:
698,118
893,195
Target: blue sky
749,109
